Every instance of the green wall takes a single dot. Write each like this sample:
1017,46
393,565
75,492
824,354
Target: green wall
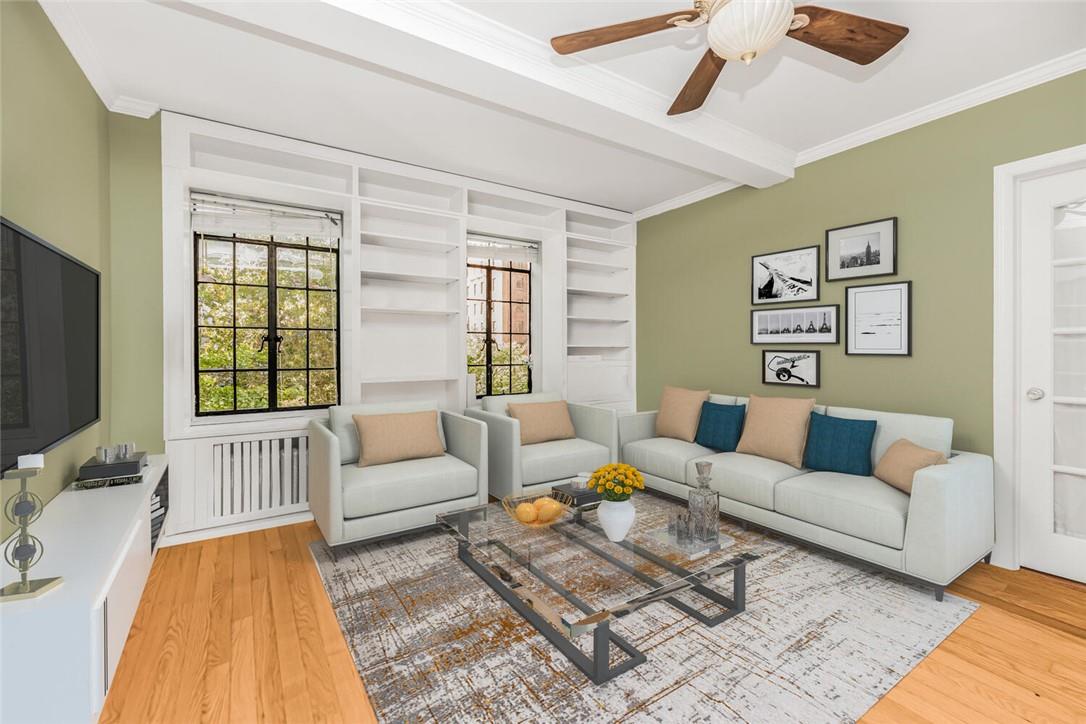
87,181
693,278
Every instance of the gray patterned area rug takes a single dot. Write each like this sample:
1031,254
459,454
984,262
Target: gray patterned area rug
822,639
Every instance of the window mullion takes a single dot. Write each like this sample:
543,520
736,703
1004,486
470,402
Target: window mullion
273,330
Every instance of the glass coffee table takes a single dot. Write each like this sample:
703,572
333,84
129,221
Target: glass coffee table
569,581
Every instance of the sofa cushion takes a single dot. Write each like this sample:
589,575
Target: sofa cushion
542,421
720,426
680,409
856,505
558,459
499,404
934,433
746,478
900,463
663,457
407,484
776,428
341,422
398,436
839,445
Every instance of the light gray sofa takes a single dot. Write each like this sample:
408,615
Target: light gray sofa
351,503
934,535
517,469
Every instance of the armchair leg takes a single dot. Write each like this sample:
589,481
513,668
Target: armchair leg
939,593
988,558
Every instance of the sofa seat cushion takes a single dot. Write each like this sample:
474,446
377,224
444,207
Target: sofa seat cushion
856,505
664,457
559,459
406,484
747,478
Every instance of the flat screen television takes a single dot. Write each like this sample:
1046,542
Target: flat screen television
49,344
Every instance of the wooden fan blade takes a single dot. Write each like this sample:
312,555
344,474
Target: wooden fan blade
852,37
574,42
699,84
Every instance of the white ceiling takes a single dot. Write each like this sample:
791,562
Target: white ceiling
474,89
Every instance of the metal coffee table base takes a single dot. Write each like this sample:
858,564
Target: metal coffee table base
597,667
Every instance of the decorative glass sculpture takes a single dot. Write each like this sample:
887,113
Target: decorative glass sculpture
704,506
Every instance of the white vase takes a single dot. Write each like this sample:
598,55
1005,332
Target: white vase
616,517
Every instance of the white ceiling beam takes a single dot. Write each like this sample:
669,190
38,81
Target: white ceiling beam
449,47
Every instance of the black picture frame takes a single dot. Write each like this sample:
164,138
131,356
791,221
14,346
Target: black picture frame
815,277
781,379
755,313
893,260
907,323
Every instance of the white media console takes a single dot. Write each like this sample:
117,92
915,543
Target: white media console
58,653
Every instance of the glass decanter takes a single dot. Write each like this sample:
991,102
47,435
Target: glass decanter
704,506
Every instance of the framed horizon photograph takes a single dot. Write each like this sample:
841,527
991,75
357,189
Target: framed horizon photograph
791,368
862,250
797,325
878,319
785,276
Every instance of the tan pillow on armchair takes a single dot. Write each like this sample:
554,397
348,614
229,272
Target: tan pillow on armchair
397,436
776,428
680,410
542,421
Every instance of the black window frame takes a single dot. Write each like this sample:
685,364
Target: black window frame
273,338
489,267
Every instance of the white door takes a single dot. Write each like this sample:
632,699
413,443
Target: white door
1052,486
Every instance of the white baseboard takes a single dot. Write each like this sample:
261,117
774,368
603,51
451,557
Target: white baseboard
248,526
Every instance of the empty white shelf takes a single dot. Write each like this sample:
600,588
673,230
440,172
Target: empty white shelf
401,310
399,241
594,242
408,379
408,277
598,346
595,266
607,320
596,292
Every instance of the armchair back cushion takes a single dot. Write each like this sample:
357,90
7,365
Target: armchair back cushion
398,436
934,433
901,461
498,403
341,422
542,421
776,428
680,410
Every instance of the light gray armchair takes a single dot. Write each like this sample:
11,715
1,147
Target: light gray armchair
517,469
351,503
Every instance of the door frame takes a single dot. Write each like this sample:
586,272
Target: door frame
1006,364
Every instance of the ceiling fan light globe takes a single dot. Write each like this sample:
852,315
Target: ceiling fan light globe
742,29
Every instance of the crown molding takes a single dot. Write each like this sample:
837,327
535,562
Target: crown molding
133,107
690,197
1019,81
65,20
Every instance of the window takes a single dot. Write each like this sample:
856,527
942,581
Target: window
499,325
266,320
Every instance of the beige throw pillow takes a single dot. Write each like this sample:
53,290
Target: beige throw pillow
542,421
680,410
776,428
901,461
397,436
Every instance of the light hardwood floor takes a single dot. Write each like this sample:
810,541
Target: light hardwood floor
239,629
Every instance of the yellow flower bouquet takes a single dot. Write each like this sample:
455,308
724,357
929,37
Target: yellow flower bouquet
617,482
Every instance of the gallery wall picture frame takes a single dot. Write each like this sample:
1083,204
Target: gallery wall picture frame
864,250
783,277
792,368
878,319
796,325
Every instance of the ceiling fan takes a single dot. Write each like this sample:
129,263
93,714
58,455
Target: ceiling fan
742,29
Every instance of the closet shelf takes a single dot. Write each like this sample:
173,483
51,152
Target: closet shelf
595,266
398,241
417,312
596,292
408,277
595,242
399,379
606,320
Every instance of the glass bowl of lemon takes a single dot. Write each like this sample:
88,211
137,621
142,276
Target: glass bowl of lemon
535,511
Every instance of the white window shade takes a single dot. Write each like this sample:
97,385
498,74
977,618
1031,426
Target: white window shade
493,247
223,215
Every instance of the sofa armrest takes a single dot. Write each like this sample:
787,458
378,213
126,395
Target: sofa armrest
325,486
503,434
466,439
635,426
596,424
951,520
